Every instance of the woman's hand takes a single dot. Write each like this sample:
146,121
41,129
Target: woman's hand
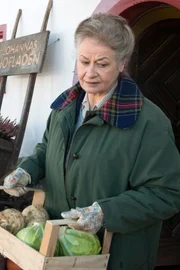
89,219
15,183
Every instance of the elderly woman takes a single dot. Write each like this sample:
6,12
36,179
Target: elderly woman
107,150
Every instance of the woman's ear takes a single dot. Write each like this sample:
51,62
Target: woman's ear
122,65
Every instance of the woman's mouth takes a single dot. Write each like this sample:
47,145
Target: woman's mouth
92,83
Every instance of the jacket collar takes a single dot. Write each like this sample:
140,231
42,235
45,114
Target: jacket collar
121,110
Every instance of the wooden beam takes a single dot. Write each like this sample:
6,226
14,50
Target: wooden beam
38,198
16,23
107,242
46,16
48,244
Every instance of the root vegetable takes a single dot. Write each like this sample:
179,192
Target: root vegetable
12,220
34,213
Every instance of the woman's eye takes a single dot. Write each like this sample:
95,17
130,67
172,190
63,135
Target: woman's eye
102,65
85,63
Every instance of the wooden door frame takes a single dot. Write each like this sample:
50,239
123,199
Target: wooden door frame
158,14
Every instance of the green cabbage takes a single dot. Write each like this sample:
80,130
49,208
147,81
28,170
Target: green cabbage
32,236
76,243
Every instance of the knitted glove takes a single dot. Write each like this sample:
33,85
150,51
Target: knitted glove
89,219
16,182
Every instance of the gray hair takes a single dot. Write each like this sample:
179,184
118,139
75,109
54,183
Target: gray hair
110,30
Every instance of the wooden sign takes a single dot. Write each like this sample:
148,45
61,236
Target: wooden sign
23,55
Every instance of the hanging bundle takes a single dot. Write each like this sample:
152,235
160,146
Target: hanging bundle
8,128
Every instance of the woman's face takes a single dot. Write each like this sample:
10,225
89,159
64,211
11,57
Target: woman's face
97,67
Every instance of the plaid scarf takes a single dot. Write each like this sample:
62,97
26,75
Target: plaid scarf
121,110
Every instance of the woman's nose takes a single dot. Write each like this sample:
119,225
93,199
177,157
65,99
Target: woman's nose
91,71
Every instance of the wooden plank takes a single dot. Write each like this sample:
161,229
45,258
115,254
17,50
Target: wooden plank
23,120
77,262
46,16
107,242
96,261
39,197
20,253
23,55
58,267
61,222
48,244
16,24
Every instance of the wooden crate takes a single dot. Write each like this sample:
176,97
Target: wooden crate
29,259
